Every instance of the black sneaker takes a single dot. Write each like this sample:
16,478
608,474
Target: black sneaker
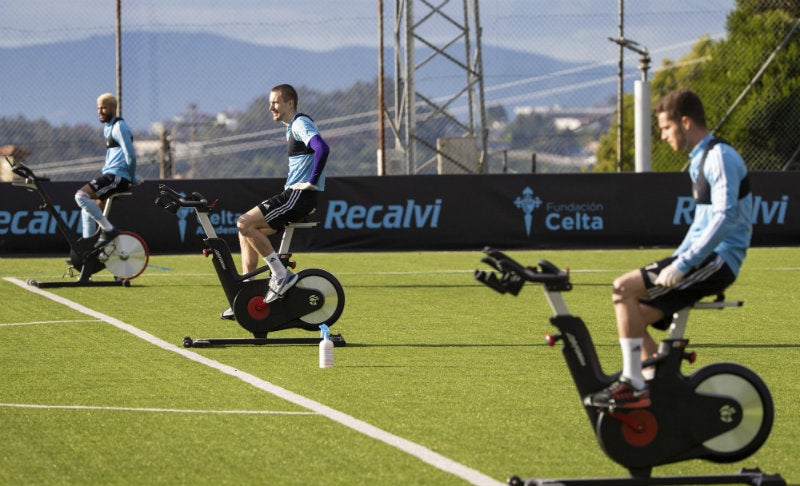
106,237
620,394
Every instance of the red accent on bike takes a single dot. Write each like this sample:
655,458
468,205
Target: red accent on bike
257,309
206,253
639,427
690,357
214,204
552,340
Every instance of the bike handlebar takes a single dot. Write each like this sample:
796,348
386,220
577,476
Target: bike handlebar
171,200
25,172
513,275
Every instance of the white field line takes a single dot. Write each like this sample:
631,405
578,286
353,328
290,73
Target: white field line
46,322
159,410
421,452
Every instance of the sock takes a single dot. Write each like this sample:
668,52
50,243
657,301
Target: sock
89,206
275,265
632,360
88,225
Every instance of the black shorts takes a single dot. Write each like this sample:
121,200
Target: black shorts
709,278
108,184
288,206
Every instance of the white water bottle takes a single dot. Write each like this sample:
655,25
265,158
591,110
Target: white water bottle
325,348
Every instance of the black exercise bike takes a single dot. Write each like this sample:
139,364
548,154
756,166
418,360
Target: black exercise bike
722,412
317,297
126,257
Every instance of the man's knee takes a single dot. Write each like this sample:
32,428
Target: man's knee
249,224
82,198
623,289
246,223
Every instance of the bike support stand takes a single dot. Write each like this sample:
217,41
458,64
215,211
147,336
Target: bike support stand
337,339
753,477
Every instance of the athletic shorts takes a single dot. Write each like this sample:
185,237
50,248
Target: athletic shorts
709,278
288,206
108,184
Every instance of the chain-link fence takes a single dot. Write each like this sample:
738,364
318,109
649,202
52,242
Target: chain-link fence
195,80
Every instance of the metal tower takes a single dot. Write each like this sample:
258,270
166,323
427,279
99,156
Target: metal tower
437,44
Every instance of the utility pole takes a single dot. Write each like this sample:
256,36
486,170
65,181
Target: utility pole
381,100
165,156
119,58
620,82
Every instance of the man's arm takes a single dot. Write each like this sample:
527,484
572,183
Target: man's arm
321,151
718,218
125,140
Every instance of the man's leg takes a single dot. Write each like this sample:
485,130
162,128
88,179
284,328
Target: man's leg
254,231
84,198
632,318
631,325
249,252
249,255
254,239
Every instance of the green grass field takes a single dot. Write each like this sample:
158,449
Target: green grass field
443,381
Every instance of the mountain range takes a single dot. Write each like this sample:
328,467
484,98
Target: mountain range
164,73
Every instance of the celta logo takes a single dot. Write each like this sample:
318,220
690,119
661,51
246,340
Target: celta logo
561,216
527,203
182,214
341,215
224,223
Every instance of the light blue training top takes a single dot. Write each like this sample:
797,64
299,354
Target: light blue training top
120,157
725,226
301,166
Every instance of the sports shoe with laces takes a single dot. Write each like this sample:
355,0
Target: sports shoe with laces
620,394
106,237
278,287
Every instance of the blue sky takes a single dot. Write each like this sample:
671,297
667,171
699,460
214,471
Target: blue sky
666,28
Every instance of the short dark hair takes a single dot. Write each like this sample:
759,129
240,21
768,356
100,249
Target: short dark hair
679,103
287,92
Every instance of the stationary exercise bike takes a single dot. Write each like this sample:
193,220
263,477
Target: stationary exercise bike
125,257
317,298
722,412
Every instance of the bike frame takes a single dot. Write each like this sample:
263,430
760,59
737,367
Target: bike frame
631,437
243,290
84,257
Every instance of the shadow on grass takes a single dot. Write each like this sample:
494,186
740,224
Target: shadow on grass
745,346
446,345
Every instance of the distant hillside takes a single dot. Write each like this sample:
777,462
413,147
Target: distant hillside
163,73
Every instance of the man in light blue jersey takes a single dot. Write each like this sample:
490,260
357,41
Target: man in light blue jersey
117,174
308,154
706,262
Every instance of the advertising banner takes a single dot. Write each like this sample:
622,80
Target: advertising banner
436,212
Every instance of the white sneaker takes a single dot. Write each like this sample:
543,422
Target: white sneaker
278,287
227,314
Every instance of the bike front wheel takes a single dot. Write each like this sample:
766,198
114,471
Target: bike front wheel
332,292
745,387
126,257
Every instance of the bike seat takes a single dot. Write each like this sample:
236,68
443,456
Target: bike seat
303,224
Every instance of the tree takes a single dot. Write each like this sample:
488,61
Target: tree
720,72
